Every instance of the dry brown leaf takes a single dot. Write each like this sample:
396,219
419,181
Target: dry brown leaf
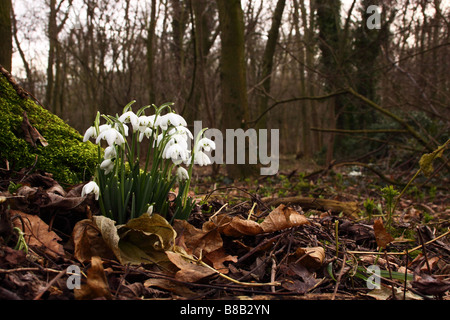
205,243
283,217
96,285
430,285
32,136
198,242
170,286
10,257
280,218
88,242
382,237
236,226
218,257
310,257
37,233
190,271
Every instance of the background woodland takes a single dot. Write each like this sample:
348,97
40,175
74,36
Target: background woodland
336,89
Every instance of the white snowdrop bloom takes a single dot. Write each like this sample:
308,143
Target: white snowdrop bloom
201,158
91,132
150,210
112,136
183,131
175,140
107,165
170,119
90,187
146,122
182,174
147,132
177,153
104,127
130,117
206,144
110,152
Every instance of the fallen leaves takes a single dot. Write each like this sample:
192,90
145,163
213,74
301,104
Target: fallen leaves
88,241
281,218
382,237
96,285
311,258
37,233
189,253
243,252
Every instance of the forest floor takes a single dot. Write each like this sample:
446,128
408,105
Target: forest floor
328,254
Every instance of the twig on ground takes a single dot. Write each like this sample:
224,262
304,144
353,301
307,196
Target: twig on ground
338,280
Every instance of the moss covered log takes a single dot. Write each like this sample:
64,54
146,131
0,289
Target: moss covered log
65,155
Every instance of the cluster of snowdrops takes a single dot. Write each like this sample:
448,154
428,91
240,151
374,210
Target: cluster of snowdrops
129,181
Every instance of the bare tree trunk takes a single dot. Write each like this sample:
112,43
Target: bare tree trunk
267,60
5,34
53,30
203,37
233,75
328,17
151,53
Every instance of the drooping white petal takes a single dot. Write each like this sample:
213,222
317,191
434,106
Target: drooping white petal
177,153
183,131
206,144
170,119
202,158
147,132
107,165
90,187
182,174
110,152
112,136
130,117
90,132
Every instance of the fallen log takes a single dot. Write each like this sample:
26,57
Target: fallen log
349,209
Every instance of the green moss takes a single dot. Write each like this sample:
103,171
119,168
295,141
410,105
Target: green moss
67,157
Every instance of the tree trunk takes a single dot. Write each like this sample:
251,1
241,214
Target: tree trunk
233,75
328,18
52,36
151,53
5,34
267,61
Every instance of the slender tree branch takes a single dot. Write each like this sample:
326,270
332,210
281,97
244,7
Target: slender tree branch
276,103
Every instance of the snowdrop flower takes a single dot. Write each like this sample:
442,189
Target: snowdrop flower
182,174
107,165
150,210
177,153
183,131
170,119
130,117
201,158
147,132
206,144
112,136
110,152
90,187
146,122
91,132
179,139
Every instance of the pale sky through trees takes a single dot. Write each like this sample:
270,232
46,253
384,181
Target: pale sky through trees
32,18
